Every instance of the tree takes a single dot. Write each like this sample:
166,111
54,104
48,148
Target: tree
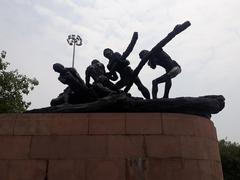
230,157
13,86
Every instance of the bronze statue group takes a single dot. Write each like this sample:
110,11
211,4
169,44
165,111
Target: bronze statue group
106,83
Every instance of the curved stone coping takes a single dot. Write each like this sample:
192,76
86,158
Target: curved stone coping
106,123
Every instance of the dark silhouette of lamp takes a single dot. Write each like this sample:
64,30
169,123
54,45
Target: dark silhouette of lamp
74,40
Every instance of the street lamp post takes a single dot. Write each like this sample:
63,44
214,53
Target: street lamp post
74,40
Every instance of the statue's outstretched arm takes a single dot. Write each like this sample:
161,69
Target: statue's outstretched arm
130,46
112,75
177,29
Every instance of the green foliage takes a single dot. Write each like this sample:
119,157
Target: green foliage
13,86
230,157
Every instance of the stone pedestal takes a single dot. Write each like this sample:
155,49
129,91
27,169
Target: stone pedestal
108,146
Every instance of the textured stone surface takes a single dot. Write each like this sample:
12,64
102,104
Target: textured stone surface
107,123
163,146
125,146
51,124
149,123
68,147
66,170
14,147
27,170
204,106
194,147
114,146
4,169
164,169
181,124
106,169
7,123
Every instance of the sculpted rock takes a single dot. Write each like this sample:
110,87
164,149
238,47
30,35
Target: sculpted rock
204,105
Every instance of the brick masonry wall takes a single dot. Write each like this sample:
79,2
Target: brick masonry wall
108,146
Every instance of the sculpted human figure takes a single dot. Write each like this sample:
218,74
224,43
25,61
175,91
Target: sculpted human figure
161,58
101,85
76,92
97,72
156,56
119,64
69,76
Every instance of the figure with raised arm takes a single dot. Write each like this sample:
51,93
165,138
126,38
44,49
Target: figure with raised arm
156,56
161,58
76,92
119,64
101,82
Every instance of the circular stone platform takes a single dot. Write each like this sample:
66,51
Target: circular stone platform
109,146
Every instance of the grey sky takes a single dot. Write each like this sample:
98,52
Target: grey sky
34,32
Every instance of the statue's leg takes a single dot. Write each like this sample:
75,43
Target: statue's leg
171,74
120,84
77,85
100,90
155,82
142,88
107,83
154,89
168,86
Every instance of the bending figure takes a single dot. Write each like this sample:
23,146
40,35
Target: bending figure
172,68
76,92
119,64
97,72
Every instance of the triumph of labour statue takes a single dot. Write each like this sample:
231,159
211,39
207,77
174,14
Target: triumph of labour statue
108,91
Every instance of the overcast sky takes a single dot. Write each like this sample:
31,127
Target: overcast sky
34,32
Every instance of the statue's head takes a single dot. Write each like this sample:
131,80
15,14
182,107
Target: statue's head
95,61
107,52
143,53
58,68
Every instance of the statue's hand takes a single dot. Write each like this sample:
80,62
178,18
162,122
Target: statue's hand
177,28
181,27
62,79
135,35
